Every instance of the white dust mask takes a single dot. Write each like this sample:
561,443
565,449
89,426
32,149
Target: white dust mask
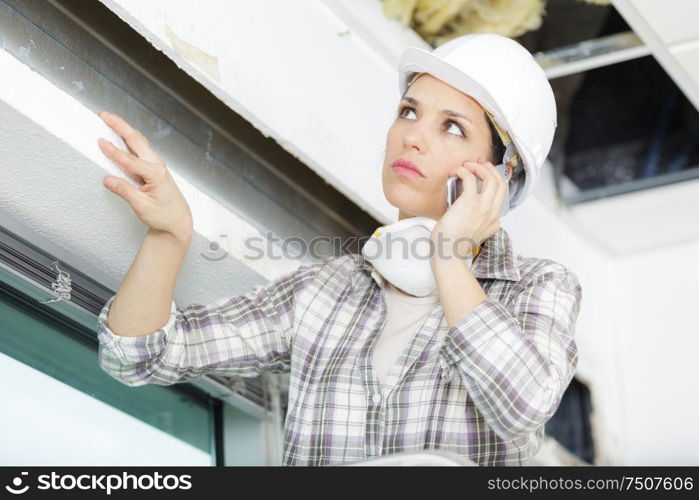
401,253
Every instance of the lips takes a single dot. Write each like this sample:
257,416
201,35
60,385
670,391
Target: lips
407,164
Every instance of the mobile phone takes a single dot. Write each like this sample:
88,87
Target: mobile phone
454,189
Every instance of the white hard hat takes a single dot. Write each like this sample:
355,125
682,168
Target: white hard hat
503,77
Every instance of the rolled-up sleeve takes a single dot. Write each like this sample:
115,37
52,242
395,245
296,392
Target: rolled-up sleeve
517,363
242,335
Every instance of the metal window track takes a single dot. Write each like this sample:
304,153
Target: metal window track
591,54
30,271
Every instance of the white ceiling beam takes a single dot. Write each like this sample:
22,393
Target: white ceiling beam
51,194
318,77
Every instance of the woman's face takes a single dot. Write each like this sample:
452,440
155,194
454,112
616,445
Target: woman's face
428,132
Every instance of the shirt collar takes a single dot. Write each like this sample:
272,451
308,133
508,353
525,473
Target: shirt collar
496,260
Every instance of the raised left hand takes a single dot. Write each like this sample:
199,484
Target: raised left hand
473,217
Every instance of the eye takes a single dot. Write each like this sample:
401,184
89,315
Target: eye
452,122
400,113
447,122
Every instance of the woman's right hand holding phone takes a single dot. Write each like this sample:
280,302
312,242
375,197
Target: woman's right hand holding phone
159,202
474,216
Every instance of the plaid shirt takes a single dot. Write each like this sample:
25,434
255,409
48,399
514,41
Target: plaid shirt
483,388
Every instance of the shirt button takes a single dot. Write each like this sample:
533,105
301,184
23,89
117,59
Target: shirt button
376,398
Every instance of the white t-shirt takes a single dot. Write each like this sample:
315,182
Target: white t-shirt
405,314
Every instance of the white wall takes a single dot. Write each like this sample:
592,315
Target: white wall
656,329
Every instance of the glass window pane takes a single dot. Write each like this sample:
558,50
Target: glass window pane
59,407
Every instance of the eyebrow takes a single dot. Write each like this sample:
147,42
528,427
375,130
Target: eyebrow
448,112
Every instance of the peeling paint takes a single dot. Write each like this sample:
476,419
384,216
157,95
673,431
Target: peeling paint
79,85
205,61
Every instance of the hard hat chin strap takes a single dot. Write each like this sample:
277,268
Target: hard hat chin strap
511,156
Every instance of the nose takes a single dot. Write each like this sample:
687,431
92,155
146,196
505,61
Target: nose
414,138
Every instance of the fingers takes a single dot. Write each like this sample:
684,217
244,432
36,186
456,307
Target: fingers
132,137
128,161
468,180
493,187
119,186
483,172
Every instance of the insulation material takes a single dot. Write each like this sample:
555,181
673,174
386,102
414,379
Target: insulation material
438,21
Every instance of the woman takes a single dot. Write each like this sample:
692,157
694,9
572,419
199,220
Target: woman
475,366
